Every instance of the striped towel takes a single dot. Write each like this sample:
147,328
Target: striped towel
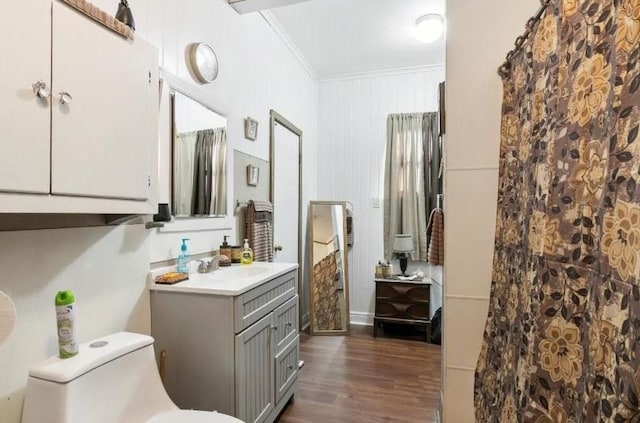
259,221
436,243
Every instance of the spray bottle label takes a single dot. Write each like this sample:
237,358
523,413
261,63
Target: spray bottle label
67,344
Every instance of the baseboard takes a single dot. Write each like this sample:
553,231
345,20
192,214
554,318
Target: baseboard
361,319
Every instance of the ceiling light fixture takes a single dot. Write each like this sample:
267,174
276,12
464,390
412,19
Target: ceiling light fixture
429,27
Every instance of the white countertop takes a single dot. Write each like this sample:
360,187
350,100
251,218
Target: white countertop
229,281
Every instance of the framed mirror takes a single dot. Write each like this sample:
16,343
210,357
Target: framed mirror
329,271
199,152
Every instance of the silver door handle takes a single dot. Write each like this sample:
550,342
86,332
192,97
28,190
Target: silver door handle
277,247
65,97
41,90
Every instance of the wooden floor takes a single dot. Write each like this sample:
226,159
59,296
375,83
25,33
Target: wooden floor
358,378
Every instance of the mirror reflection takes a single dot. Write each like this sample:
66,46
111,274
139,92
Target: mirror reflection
199,159
329,273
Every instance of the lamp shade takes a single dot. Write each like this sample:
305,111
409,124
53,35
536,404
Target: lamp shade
403,243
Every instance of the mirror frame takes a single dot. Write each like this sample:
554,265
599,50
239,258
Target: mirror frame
347,329
277,118
172,176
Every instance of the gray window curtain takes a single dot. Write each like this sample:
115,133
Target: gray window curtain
412,179
209,191
183,180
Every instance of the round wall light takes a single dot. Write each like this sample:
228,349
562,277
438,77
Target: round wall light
429,27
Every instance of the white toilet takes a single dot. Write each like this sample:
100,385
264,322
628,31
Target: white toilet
112,380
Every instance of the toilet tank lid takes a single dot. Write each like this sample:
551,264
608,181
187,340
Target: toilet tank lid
91,355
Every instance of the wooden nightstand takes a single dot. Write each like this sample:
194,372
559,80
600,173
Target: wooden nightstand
403,302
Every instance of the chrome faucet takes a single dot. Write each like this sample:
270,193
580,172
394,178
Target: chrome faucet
209,266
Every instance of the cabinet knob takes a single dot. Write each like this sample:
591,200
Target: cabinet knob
290,367
274,327
65,97
41,90
288,324
277,247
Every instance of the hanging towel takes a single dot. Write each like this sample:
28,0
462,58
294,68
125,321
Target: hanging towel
259,221
436,243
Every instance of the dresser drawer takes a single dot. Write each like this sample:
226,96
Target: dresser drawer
402,310
257,303
399,292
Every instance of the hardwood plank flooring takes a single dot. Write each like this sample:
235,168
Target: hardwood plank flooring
359,378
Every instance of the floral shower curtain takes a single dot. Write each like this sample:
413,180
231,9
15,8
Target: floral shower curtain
562,340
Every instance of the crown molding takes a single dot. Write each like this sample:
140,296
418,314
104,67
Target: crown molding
288,42
383,72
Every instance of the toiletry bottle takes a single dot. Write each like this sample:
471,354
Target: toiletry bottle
225,248
183,258
236,254
65,316
247,253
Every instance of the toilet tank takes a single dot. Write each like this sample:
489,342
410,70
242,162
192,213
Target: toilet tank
112,380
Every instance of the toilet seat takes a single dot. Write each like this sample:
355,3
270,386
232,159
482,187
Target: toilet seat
192,416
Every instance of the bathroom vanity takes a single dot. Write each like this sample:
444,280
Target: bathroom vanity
228,340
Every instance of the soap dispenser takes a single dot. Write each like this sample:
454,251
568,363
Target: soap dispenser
225,248
183,258
247,253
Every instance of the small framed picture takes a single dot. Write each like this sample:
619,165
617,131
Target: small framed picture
250,129
253,175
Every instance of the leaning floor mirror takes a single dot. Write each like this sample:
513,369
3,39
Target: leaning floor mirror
328,278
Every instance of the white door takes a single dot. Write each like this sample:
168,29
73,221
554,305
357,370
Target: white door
25,49
286,193
101,144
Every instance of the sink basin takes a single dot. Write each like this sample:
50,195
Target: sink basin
237,272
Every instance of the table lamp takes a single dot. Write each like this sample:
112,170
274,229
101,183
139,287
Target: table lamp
403,244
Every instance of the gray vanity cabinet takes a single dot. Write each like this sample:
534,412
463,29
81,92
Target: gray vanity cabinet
234,354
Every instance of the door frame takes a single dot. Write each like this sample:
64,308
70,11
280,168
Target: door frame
277,118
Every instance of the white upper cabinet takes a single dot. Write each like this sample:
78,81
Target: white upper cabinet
102,133
91,146
25,48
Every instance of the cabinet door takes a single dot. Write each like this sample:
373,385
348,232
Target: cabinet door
101,141
25,49
254,372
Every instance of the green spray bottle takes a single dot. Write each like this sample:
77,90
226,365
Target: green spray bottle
65,316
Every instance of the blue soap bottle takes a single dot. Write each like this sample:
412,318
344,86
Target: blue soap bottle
183,258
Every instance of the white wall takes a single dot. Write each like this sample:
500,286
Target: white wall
479,36
352,137
106,267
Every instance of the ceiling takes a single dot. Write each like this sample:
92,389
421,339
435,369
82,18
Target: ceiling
342,37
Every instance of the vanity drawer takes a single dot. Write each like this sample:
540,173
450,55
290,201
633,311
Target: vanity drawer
286,368
262,300
402,310
286,323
